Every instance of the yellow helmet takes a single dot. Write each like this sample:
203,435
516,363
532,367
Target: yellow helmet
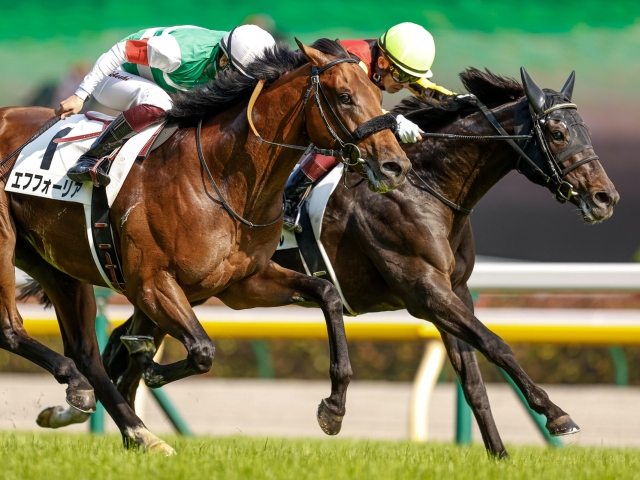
410,47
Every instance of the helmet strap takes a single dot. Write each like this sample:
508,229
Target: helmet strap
378,71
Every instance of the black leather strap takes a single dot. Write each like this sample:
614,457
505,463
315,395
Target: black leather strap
439,196
103,241
375,125
309,246
43,129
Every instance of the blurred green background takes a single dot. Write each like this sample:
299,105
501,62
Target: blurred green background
41,40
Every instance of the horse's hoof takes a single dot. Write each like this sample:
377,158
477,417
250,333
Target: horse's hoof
139,344
154,381
56,417
143,439
328,421
562,426
83,400
44,417
162,448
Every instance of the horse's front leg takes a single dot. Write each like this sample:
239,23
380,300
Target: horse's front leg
163,301
276,286
439,304
464,362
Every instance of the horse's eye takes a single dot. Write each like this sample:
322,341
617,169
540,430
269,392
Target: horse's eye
345,98
557,135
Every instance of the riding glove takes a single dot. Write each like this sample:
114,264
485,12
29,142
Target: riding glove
408,131
454,103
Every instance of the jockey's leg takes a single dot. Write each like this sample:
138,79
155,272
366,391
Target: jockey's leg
312,169
142,102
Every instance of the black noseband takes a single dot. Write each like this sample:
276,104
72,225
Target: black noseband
375,125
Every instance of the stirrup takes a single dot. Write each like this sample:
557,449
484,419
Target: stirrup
293,226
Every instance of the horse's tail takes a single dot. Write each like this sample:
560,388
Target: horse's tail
34,290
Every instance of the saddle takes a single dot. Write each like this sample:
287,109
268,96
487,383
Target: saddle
162,135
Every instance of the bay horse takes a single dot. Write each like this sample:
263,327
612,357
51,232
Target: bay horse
409,250
179,241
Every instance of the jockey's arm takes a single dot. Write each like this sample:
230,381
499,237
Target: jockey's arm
162,52
450,100
408,131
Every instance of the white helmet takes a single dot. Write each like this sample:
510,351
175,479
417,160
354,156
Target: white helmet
244,43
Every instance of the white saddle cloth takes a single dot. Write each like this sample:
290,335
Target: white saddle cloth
41,168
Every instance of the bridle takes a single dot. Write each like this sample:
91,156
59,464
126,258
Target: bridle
563,190
580,141
348,152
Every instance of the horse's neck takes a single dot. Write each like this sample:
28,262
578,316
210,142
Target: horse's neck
262,168
277,118
463,170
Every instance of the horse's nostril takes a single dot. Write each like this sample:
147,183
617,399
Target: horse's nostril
392,168
602,198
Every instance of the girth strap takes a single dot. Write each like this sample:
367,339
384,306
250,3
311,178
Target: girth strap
103,241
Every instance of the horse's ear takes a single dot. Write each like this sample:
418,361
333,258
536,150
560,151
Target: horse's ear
315,57
534,92
567,90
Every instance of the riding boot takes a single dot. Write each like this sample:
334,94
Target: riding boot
113,137
295,193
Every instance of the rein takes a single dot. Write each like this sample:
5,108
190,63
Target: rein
43,129
554,160
226,205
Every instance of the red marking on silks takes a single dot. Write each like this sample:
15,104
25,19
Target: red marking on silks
100,225
104,246
136,51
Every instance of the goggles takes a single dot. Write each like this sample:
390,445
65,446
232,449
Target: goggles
401,77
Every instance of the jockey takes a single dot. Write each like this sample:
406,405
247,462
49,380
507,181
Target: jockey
400,58
135,76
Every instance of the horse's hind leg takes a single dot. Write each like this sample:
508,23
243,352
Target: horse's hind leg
277,286
13,336
76,310
126,374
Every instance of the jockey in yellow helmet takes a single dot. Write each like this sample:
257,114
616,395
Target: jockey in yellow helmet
400,58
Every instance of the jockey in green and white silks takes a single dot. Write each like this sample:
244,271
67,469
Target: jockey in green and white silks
136,74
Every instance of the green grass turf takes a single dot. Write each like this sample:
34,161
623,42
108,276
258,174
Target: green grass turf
53,456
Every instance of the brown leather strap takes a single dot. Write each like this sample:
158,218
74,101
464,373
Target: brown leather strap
79,137
252,101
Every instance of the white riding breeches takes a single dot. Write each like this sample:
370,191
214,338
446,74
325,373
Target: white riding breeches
122,90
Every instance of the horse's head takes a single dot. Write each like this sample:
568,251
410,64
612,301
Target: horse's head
346,111
564,153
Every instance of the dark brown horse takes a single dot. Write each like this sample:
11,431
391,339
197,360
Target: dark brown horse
407,249
177,242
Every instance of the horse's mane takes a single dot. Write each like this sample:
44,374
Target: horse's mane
491,89
231,86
